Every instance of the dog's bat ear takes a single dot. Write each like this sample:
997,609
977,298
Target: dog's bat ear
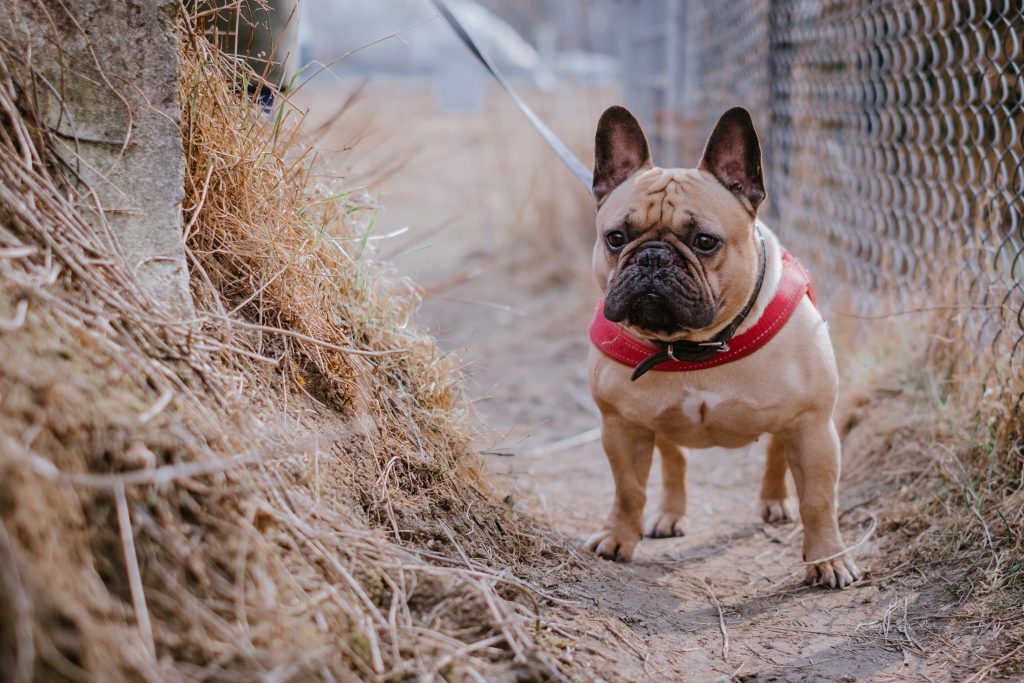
620,149
733,155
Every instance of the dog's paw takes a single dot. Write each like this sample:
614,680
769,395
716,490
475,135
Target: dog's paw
612,545
666,525
778,510
837,573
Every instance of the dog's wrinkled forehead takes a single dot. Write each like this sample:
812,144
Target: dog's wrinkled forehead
671,198
659,198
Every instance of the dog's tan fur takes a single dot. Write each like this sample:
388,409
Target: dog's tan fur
787,389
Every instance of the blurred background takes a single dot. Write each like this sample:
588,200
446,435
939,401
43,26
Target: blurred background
891,135
472,204
428,130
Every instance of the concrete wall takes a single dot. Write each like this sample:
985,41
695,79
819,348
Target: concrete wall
111,96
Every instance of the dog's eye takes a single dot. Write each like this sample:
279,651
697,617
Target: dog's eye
705,242
616,239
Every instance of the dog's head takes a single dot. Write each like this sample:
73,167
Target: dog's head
677,251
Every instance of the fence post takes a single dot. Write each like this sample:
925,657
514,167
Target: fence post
111,99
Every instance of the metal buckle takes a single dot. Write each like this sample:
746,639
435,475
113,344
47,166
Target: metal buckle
720,345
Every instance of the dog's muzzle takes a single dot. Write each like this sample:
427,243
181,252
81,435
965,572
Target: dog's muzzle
658,291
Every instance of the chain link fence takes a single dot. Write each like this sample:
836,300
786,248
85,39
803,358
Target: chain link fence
892,134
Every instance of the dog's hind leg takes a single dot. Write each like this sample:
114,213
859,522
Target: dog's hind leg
670,517
776,503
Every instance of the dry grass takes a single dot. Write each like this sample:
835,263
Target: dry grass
940,412
920,427
278,489
292,262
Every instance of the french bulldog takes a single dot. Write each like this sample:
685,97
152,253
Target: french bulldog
681,257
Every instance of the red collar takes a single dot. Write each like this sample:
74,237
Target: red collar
618,344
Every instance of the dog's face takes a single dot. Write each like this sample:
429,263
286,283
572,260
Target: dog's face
677,252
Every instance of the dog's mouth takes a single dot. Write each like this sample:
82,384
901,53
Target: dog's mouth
652,311
661,293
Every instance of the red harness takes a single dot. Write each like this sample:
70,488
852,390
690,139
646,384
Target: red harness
619,345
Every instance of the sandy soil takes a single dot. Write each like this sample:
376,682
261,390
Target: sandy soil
726,601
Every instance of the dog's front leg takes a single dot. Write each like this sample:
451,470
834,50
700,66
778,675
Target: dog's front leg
629,449
813,455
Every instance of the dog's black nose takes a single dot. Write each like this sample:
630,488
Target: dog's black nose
654,255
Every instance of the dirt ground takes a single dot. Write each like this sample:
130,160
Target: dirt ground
724,602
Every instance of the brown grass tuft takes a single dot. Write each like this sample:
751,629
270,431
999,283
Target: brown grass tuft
279,488
921,428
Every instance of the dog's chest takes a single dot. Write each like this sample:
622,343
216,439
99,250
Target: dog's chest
700,417
699,407
725,408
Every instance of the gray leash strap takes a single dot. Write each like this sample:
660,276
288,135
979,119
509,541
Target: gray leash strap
567,157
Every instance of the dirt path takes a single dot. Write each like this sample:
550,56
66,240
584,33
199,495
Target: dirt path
528,370
726,601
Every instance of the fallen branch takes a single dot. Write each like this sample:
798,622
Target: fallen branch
705,587
131,561
298,335
566,444
721,622
159,476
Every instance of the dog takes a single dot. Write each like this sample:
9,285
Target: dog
688,270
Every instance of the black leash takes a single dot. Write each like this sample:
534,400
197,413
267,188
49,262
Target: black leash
695,352
681,350
567,157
